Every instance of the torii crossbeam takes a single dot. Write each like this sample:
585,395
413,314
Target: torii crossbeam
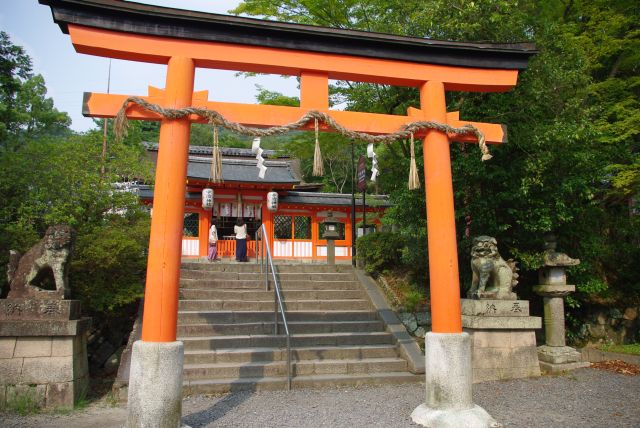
185,40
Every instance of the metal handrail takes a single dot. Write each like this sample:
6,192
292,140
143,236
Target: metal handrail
263,249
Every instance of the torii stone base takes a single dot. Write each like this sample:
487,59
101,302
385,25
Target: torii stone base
155,385
448,372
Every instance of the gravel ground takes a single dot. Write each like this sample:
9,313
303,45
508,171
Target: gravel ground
583,398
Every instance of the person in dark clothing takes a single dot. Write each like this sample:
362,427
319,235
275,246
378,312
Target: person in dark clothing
240,230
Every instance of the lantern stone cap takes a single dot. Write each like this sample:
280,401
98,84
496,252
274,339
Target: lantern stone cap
556,259
553,257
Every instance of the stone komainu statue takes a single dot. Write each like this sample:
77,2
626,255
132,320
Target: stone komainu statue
493,277
48,260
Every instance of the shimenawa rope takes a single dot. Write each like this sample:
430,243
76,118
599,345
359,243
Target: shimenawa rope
216,119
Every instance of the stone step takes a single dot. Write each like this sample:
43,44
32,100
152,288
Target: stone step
261,295
191,283
312,267
255,267
298,354
257,276
221,266
291,305
230,317
225,321
259,369
195,330
298,340
217,386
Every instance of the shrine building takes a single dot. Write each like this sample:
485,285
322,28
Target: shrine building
295,227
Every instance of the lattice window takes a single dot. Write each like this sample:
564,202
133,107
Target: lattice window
191,224
302,227
282,227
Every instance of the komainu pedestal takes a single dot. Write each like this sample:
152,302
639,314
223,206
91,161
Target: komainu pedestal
43,352
503,338
43,345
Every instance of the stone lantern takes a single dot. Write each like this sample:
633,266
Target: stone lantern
330,234
555,355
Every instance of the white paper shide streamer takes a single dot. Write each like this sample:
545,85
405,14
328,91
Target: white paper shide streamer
257,150
374,161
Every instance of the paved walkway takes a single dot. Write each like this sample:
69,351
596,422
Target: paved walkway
583,398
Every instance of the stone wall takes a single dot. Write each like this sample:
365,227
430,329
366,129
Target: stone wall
611,325
49,367
416,323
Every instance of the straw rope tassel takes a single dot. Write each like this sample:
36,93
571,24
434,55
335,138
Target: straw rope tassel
483,147
216,159
414,179
318,165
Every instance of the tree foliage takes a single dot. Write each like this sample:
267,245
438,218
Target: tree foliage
25,110
51,176
571,164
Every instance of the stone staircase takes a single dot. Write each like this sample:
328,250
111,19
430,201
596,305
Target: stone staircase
226,323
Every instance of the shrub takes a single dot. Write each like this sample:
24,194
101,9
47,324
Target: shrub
108,266
380,251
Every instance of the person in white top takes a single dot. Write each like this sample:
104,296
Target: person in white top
240,230
213,242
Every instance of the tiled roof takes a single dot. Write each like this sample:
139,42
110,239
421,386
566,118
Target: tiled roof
225,151
242,170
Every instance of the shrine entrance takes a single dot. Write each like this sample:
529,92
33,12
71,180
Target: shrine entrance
185,40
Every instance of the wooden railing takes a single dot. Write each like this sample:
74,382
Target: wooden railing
227,248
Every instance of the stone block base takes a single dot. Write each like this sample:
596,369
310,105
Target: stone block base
502,337
475,417
557,359
155,385
49,370
499,355
448,376
558,354
551,368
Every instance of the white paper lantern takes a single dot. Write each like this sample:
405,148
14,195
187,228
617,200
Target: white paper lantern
207,198
272,201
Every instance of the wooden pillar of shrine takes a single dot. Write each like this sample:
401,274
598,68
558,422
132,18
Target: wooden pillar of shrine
155,382
441,226
165,242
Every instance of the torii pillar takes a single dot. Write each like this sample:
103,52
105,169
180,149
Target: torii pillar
448,367
155,385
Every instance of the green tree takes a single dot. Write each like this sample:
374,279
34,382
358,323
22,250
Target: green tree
25,111
51,175
52,181
571,164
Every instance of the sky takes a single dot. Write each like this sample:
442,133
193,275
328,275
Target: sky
68,74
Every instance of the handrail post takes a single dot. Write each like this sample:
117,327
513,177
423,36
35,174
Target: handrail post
288,363
266,278
275,310
278,300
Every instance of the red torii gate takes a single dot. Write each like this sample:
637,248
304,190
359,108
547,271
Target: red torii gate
185,40
315,70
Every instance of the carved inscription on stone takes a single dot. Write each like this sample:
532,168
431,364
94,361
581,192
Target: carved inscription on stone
39,309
